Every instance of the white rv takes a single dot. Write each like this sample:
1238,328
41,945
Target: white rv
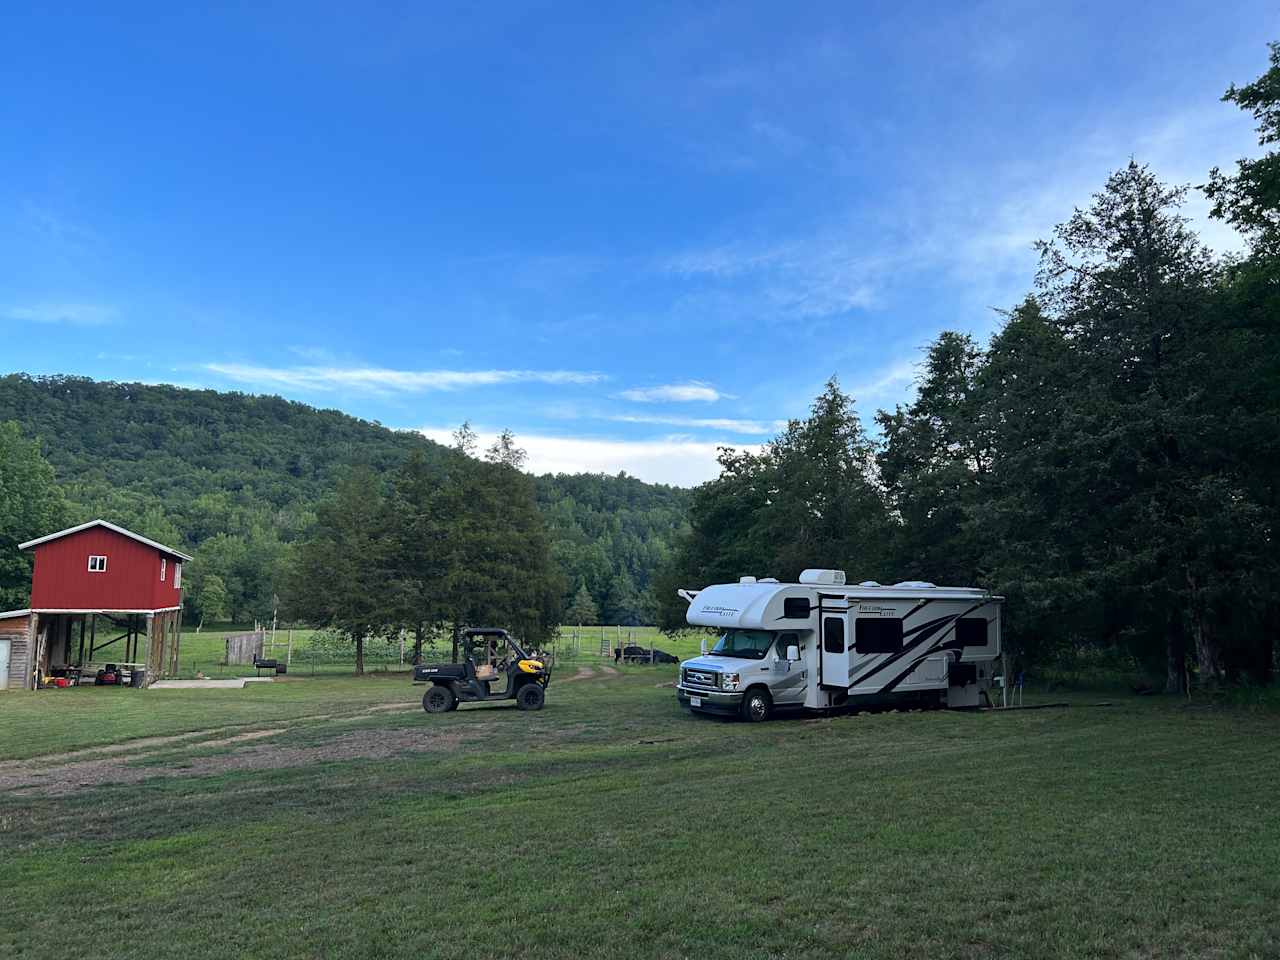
821,644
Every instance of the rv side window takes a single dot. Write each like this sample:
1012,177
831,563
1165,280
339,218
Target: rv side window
833,635
971,631
795,608
878,635
785,640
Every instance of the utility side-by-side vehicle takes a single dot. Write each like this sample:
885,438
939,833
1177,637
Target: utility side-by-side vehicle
821,644
494,667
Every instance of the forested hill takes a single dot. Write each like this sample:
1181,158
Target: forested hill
236,477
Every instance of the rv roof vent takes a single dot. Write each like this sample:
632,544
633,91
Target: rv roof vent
915,584
869,583
826,578
768,579
746,579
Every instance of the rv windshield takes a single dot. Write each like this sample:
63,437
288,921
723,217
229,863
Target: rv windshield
748,644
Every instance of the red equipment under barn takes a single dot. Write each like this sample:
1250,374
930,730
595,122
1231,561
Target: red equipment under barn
101,597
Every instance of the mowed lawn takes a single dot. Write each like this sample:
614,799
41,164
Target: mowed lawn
333,818
203,651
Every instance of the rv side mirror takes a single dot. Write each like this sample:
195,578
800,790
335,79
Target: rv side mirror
704,646
793,653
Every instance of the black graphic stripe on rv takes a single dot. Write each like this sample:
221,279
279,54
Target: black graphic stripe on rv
939,645
926,631
907,616
923,633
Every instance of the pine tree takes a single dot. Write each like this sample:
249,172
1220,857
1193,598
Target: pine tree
582,611
341,576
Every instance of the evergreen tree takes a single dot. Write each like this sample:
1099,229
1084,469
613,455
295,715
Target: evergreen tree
582,611
419,535
933,464
341,576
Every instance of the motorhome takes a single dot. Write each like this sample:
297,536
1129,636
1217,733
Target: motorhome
821,644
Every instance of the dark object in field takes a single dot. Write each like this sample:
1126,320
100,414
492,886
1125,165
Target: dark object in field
634,654
260,664
490,656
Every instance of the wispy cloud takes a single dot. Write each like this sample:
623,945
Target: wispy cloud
825,275
728,424
381,380
693,391
890,383
675,460
73,314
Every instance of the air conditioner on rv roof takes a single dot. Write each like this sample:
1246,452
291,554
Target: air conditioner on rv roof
826,578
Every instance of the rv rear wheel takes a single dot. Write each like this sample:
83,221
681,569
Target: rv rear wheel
438,699
756,706
530,697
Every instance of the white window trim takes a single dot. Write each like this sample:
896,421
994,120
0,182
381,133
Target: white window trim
97,569
177,576
164,566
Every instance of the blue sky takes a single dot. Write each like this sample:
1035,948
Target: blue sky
627,232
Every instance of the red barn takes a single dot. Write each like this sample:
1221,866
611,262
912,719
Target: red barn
100,572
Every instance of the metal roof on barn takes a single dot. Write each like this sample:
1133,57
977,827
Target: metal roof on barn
110,526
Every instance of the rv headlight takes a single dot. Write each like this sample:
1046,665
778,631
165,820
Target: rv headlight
729,680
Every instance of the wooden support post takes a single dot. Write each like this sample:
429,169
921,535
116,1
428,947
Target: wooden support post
177,642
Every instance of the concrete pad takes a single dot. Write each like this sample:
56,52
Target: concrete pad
236,683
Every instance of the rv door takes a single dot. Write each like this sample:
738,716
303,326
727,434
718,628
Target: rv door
835,649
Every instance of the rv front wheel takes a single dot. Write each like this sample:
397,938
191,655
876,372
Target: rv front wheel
756,706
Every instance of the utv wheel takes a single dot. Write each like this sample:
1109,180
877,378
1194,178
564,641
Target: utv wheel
439,699
756,706
530,697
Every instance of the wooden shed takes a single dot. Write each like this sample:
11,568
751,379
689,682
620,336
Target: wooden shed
100,577
15,646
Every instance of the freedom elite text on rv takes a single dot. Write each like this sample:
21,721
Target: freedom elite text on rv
819,644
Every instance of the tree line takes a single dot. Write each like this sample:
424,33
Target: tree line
1108,461
235,480
427,554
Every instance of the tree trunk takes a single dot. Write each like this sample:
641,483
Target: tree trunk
1175,655
1265,654
455,640
359,654
417,643
1206,644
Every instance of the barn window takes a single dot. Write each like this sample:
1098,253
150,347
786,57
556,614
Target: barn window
177,576
164,565
97,564
878,635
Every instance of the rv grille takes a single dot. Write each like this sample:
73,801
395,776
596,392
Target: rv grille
701,678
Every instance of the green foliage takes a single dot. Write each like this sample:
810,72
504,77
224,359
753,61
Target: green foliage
236,479
31,505
211,600
342,574
582,609
809,499
1110,462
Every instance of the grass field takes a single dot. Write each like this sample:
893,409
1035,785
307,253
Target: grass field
203,651
333,818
